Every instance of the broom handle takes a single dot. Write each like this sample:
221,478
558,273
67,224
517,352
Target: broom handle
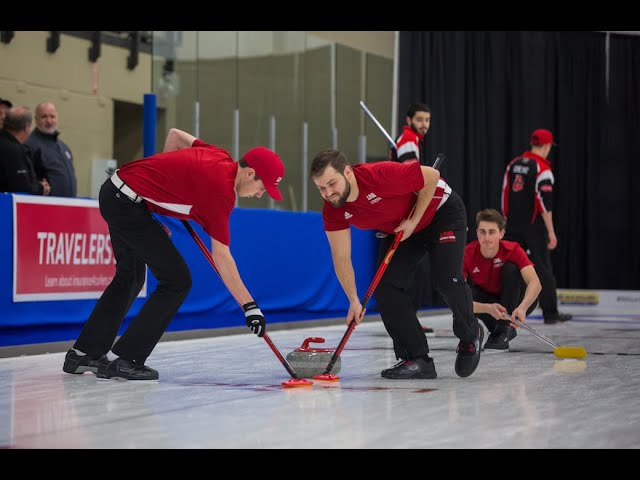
266,338
365,300
383,266
527,327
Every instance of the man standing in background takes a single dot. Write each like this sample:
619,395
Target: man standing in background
527,194
51,154
17,172
409,147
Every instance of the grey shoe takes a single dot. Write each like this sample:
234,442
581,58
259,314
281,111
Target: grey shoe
124,369
74,363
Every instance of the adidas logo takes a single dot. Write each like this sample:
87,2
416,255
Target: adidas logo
347,215
476,270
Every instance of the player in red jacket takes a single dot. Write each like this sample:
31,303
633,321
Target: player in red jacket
381,196
189,180
502,278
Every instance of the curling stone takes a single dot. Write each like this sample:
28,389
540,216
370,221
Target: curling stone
308,361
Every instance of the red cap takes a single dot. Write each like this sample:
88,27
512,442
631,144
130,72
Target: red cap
268,167
541,137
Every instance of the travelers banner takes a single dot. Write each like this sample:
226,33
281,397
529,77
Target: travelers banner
61,249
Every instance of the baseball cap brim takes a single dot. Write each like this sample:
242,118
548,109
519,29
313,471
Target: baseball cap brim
273,191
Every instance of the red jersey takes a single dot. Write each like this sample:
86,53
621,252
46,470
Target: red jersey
387,195
193,183
485,272
408,144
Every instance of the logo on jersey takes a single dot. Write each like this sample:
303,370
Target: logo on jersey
497,262
476,270
447,237
347,215
373,198
518,183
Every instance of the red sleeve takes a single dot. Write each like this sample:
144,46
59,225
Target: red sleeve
199,143
399,178
520,258
333,218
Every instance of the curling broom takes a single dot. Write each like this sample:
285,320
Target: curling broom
558,351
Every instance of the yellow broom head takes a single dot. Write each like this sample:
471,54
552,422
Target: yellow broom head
570,352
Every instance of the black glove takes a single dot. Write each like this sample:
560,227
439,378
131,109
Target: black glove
255,319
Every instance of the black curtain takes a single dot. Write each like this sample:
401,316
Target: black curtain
489,90
618,224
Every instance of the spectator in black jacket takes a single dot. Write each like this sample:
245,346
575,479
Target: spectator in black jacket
52,153
17,173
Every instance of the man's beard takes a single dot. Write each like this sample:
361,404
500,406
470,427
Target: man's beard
343,198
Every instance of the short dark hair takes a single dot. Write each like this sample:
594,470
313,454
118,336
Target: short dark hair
327,157
417,107
17,119
491,215
242,163
5,102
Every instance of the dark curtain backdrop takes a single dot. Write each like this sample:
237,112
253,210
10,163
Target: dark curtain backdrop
618,224
488,91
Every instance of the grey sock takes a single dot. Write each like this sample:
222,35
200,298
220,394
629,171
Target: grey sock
111,356
78,352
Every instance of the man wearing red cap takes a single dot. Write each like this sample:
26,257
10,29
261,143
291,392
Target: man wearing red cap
190,180
527,195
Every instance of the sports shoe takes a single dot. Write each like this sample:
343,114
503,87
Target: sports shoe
557,317
500,338
469,355
74,363
124,369
408,369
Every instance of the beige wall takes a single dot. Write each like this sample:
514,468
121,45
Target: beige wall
30,75
90,122
378,42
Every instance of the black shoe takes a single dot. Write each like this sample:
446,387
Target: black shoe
124,369
557,317
499,340
469,355
408,369
74,363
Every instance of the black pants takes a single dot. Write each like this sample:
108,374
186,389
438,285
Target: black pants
534,242
137,239
444,241
513,288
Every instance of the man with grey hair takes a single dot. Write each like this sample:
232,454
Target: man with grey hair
17,173
51,153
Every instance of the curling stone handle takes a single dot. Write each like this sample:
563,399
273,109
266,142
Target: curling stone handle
307,341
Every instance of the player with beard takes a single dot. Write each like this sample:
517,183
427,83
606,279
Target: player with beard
409,146
380,196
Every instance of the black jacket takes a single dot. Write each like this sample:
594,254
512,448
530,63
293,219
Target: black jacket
56,160
17,173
